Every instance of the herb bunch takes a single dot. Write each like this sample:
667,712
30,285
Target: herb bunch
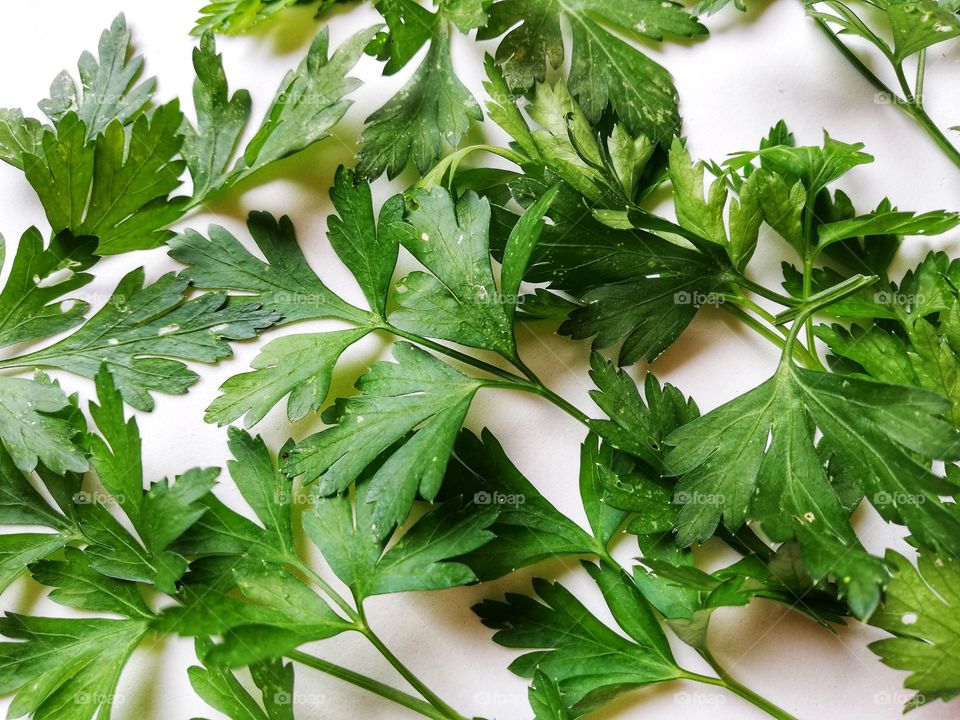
863,407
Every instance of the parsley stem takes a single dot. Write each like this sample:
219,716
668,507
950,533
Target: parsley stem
777,339
912,105
367,683
765,292
455,354
327,589
446,712
727,681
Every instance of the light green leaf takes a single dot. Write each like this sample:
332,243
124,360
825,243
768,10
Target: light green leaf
108,88
300,366
920,610
408,412
55,661
460,300
221,118
285,283
141,328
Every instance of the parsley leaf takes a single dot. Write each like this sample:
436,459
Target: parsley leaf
55,661
603,68
754,458
33,429
141,328
590,663
30,302
112,186
422,558
109,89
285,283
460,300
410,411
77,584
433,107
527,529
920,610
636,286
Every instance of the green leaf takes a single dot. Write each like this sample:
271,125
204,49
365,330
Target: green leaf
687,597
76,584
168,510
19,136
754,458
285,283
369,251
888,221
30,302
301,616
920,610
814,167
460,300
31,428
113,187
704,217
22,504
346,531
19,550
116,452
603,68
141,328
590,663
409,412
919,24
59,661
300,366
220,689
636,286
109,89
545,699
637,425
528,529
309,101
232,17
433,107
597,473
520,246
221,118
267,491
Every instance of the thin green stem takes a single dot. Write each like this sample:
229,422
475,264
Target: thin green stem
912,106
774,337
327,589
765,292
921,71
727,681
447,712
450,352
904,85
936,134
369,684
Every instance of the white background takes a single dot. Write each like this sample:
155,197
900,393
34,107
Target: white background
756,69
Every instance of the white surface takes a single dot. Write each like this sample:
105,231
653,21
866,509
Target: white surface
755,70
